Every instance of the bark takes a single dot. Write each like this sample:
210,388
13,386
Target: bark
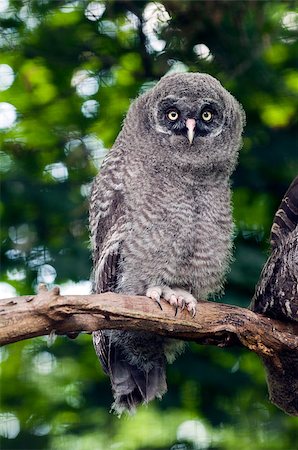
215,323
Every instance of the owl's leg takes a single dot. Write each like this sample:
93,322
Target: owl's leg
177,297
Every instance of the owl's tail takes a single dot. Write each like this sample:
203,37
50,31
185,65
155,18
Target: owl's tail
132,384
283,381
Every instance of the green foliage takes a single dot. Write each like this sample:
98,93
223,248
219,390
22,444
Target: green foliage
76,66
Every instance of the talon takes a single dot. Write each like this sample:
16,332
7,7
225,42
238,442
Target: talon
176,297
159,304
173,301
156,298
181,303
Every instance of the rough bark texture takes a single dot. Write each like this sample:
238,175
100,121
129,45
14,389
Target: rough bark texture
214,324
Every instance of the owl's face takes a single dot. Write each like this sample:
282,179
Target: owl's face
188,117
191,118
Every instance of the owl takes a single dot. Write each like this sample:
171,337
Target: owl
160,219
276,296
277,291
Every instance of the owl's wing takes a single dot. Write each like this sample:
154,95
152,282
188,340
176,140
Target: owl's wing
276,292
277,296
286,217
107,224
107,228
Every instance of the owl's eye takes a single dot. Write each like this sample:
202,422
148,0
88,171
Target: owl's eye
172,114
207,115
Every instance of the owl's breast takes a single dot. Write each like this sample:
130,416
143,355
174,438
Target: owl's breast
177,240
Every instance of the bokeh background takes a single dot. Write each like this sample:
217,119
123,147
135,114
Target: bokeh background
68,72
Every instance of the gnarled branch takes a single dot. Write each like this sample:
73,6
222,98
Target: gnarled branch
215,324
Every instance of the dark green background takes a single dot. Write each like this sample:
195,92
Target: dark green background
55,388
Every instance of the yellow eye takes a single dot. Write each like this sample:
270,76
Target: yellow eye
173,115
207,115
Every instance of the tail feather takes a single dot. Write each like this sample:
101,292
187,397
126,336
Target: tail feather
139,387
132,385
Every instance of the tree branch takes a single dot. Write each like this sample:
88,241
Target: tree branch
215,323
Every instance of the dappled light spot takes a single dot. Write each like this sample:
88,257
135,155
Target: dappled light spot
203,52
85,83
146,86
42,430
86,189
19,235
9,38
106,78
4,5
176,67
46,274
6,77
96,148
7,290
58,171
179,446
72,145
90,108
16,274
30,21
7,10
83,287
108,28
69,7
9,425
14,254
290,21
94,11
131,22
194,431
44,363
155,18
8,115
39,255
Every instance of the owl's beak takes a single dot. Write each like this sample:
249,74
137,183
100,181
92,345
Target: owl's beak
190,125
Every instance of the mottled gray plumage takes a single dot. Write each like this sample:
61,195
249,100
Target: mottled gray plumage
160,218
276,296
277,291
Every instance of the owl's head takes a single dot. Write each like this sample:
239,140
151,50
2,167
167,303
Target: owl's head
191,114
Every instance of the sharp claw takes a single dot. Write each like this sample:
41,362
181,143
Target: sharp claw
183,305
193,312
159,304
176,311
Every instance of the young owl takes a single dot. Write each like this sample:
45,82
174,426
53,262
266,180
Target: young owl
160,219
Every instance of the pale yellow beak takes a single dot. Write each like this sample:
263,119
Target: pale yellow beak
190,125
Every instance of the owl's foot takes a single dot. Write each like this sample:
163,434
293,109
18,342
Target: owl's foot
177,297
155,292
